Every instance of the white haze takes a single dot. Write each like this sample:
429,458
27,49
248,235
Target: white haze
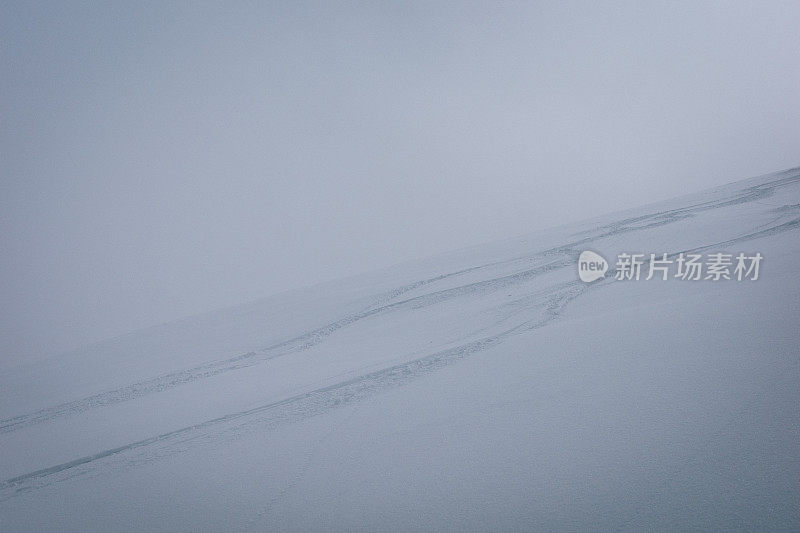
162,159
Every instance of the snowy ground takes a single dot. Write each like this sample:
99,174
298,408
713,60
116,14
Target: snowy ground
487,388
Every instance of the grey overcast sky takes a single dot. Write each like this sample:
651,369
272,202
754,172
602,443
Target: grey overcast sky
160,159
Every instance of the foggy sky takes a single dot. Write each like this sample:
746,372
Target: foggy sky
159,160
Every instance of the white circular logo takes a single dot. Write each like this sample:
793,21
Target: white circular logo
591,266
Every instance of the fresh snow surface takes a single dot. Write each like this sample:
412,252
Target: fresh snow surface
484,389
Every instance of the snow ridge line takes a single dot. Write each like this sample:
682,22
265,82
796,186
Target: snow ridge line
345,392
310,339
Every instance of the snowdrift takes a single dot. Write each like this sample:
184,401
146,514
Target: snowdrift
487,388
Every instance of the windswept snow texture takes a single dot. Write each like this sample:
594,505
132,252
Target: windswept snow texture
485,389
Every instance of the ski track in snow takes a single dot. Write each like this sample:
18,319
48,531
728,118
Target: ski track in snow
549,302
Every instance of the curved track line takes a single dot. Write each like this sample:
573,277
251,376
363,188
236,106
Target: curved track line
564,257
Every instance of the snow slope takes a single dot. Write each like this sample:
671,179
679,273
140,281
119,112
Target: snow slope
484,388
